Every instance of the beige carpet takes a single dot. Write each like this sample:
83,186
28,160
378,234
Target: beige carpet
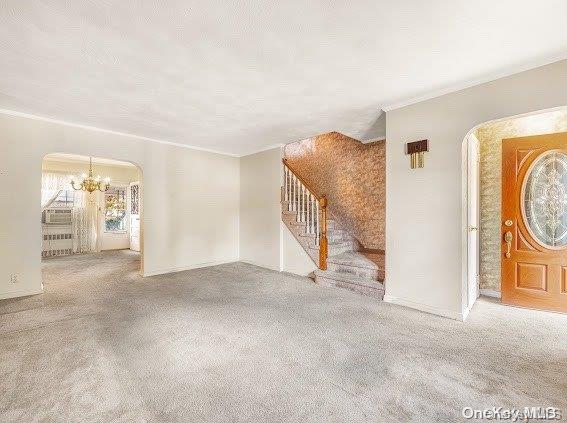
240,343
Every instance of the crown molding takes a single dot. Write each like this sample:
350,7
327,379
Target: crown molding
260,150
108,131
54,158
509,71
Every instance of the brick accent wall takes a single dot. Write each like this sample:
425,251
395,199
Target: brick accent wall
353,177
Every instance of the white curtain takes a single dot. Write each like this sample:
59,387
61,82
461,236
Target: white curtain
84,216
84,213
51,186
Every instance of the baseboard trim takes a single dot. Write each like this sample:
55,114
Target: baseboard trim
466,312
184,268
255,263
424,307
21,293
490,293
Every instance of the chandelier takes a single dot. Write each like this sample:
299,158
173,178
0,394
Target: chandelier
90,183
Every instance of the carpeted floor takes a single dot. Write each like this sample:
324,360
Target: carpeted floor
241,343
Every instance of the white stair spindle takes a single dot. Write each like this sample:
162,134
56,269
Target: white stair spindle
293,192
317,225
289,176
296,197
288,190
286,198
312,229
299,188
285,183
302,203
315,214
305,205
308,214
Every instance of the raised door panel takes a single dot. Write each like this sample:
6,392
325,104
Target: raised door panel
531,276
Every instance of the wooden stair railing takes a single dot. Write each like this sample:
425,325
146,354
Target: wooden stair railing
310,209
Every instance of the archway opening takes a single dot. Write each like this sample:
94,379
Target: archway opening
80,228
483,221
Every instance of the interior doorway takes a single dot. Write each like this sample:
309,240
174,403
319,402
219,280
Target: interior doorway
473,219
89,205
487,252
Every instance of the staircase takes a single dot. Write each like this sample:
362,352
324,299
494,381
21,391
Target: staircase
332,248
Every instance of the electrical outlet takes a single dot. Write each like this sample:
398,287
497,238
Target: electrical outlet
14,278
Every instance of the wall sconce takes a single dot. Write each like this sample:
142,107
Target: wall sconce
416,151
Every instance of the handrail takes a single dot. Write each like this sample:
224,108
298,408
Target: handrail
323,243
321,201
285,162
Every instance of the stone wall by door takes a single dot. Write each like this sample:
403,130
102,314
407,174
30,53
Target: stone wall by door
353,177
490,138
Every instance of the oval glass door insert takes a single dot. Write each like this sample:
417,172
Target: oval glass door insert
544,199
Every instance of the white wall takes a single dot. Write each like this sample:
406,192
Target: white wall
190,198
120,176
260,210
264,239
424,235
294,258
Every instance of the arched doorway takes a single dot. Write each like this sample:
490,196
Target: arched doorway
77,222
487,255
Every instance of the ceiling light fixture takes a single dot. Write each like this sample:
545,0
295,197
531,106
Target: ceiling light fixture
90,183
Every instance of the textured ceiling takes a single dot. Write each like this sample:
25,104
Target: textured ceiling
239,76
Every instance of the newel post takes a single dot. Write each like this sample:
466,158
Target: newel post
323,245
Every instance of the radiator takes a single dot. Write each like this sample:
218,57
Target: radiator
57,240
51,253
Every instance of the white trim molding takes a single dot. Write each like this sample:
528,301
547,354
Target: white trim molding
262,149
190,267
20,293
490,293
258,264
477,81
109,131
140,137
455,315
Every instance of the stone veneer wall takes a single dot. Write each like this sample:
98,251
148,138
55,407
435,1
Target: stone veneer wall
353,177
490,138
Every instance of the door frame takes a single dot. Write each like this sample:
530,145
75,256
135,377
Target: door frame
473,283
469,175
465,309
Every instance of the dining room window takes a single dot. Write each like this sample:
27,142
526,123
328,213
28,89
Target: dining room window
115,210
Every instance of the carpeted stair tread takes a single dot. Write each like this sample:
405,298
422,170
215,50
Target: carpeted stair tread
354,259
353,283
346,277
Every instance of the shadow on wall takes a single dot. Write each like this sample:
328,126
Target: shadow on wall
353,177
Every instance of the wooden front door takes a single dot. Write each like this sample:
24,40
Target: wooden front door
534,222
